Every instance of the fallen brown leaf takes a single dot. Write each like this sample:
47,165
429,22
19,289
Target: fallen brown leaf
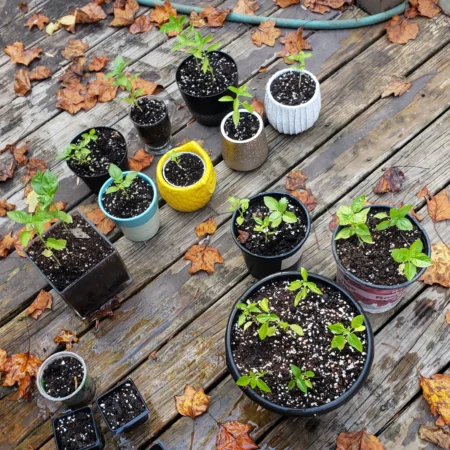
96,216
439,272
23,6
397,86
74,98
90,13
391,181
437,436
40,73
17,152
192,403
141,25
234,435
124,16
196,20
266,34
140,160
358,440
67,22
214,17
97,63
334,222
5,207
74,49
258,106
207,227
315,6
6,245
7,170
436,391
425,8
400,30
22,82
306,197
3,355
447,317
32,167
295,179
21,56
42,302
293,44
38,20
411,13
66,337
149,88
161,13
204,258
248,7
106,310
243,236
438,206
102,88
286,3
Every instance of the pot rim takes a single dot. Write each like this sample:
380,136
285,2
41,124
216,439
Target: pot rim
128,219
52,358
212,95
282,255
260,129
377,286
91,177
316,410
183,187
152,97
292,107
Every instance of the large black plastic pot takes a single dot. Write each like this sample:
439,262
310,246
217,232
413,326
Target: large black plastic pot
307,412
95,182
262,266
207,110
375,298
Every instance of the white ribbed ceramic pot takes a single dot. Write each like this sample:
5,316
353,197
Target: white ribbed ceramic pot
292,119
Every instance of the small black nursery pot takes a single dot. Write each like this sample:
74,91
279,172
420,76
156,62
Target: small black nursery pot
286,251
201,93
77,430
274,355
123,408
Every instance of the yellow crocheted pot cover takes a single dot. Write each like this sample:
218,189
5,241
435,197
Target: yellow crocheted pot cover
190,198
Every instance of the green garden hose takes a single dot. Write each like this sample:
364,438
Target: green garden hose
293,23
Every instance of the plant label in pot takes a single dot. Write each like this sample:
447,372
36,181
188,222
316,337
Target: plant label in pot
379,251
292,101
270,229
130,199
91,152
298,344
244,142
186,177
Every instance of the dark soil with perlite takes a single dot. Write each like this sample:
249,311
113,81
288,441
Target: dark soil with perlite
286,236
75,431
110,147
247,128
130,203
373,263
122,405
188,171
63,376
84,250
148,111
193,81
335,370
288,90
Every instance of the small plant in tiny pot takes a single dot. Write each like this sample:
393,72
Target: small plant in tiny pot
298,344
77,261
123,407
244,142
270,229
130,199
90,153
292,101
379,250
204,77
183,169
77,430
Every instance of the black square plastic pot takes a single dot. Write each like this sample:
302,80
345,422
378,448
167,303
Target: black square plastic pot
132,424
262,266
158,445
99,443
207,110
92,290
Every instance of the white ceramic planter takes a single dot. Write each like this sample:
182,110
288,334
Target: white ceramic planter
292,119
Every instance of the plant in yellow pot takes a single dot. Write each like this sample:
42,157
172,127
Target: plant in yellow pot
186,177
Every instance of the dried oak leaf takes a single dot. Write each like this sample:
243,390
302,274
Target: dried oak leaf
124,16
98,63
149,88
161,13
400,30
32,167
38,20
437,436
196,21
22,82
74,98
203,257
102,88
426,8
306,197
40,73
21,56
207,227
7,245
7,170
74,49
107,310
192,403
293,44
286,3
396,87
438,206
96,216
233,435
391,181
41,302
66,337
141,25
20,368
358,440
266,34
258,106
140,160
243,236
295,179
214,17
314,6
436,391
439,272
5,207
90,13
248,7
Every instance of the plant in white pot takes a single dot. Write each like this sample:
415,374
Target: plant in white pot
292,100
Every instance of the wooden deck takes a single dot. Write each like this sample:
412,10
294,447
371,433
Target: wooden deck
169,329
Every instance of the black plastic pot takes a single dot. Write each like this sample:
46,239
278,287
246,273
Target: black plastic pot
132,424
375,298
261,266
95,182
307,412
87,294
158,445
98,445
207,110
